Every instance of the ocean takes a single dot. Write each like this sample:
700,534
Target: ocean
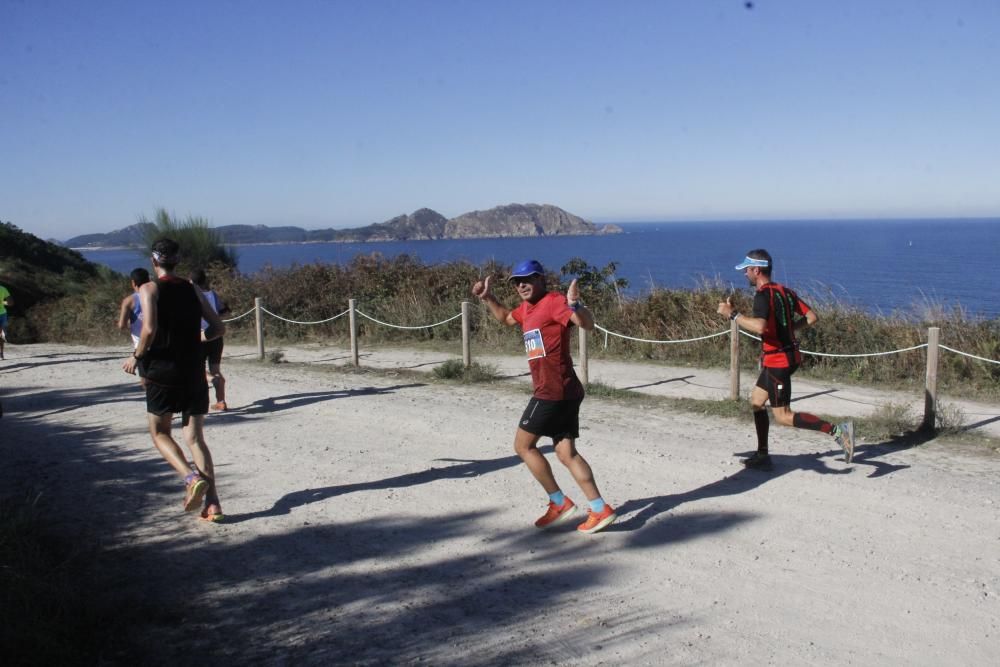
881,266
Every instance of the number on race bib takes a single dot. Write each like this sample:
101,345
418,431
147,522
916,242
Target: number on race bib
533,345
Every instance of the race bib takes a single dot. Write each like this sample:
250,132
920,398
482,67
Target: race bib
533,345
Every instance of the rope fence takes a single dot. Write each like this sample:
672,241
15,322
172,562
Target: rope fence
970,356
932,347
850,356
399,326
283,319
662,342
240,317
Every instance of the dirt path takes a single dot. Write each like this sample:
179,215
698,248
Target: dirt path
385,520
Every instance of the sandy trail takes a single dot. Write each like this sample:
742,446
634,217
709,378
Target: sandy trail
383,519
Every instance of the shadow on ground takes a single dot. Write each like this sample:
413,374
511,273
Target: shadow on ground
356,591
292,401
351,592
638,512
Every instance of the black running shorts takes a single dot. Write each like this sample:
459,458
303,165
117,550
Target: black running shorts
554,419
212,351
188,401
777,382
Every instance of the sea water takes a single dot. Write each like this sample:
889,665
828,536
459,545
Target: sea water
879,265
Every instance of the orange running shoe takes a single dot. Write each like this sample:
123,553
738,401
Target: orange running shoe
598,520
197,487
556,514
220,406
213,513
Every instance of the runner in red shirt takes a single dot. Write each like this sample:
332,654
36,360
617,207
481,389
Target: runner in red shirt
778,313
553,411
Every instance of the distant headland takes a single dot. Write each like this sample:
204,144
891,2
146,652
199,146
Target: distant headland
512,220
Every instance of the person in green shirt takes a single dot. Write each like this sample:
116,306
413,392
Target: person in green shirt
5,300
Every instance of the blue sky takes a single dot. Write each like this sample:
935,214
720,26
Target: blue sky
344,113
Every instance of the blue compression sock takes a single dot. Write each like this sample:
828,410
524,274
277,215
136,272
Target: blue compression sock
597,504
558,497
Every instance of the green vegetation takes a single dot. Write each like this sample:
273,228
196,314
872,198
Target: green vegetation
63,298
201,246
58,295
454,369
601,390
403,291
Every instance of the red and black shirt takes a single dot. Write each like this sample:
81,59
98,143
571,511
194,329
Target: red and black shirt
780,307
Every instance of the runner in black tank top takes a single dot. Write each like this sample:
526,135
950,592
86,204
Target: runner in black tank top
174,358
168,357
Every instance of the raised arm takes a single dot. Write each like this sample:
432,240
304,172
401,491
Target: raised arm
581,317
749,322
501,313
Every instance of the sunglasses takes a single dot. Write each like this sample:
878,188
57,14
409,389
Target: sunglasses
523,280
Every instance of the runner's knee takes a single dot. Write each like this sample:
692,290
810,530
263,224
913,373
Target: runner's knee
524,442
783,415
566,451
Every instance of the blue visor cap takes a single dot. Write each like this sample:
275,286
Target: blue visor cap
527,268
750,261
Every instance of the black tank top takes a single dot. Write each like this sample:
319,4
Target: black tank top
174,358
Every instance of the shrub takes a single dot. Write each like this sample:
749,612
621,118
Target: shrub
201,246
454,369
404,292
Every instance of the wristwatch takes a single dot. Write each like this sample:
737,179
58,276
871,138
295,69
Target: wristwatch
733,315
576,305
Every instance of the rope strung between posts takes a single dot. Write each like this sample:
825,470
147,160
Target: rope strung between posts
608,333
397,326
865,354
644,340
971,356
240,317
329,319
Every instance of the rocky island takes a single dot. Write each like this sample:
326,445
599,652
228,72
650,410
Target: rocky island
512,220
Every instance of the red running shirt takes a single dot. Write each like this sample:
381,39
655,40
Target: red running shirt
546,342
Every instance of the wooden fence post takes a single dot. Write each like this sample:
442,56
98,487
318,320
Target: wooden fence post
466,349
930,386
734,361
584,358
354,332
259,317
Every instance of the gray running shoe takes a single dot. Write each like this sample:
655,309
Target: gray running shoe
844,435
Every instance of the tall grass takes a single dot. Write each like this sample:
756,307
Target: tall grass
88,317
200,245
404,291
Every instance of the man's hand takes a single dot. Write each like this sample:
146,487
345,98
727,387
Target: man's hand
580,315
573,293
129,365
725,307
481,289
